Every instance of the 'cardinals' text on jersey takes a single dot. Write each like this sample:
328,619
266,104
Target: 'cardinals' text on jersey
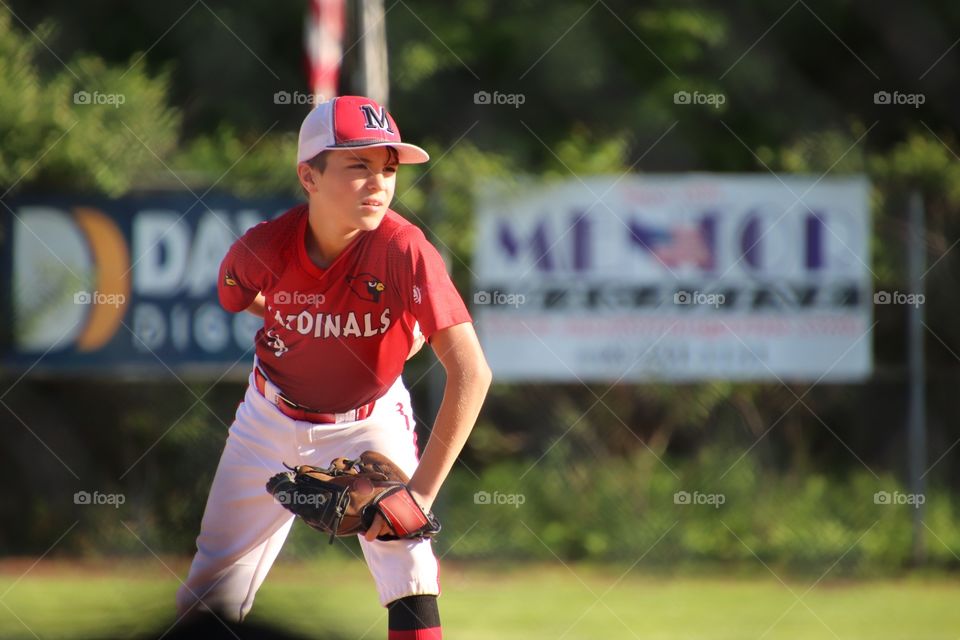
337,338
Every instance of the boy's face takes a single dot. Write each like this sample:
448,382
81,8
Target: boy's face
356,187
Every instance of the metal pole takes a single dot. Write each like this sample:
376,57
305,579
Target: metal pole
374,82
917,426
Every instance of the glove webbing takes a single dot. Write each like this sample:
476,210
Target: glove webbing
340,512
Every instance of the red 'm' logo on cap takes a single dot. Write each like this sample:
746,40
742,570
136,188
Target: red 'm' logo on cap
358,121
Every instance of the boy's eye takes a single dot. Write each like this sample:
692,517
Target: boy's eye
365,168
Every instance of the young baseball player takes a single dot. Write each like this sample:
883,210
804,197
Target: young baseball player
345,286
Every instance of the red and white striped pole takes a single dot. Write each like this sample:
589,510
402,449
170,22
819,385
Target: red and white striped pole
323,42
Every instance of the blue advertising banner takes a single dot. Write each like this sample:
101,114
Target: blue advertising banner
125,285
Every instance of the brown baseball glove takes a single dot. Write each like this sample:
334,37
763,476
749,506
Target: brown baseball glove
344,498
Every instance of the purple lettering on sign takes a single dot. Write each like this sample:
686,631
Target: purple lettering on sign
581,242
537,242
544,250
750,242
708,231
814,240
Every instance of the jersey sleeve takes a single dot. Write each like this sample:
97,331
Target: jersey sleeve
239,281
423,283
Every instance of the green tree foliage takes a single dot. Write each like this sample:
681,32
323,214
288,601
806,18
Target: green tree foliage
85,126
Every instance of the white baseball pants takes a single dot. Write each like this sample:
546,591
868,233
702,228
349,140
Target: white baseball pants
243,527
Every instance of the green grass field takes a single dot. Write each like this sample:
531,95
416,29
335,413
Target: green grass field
112,599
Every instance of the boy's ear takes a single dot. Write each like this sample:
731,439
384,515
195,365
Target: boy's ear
305,174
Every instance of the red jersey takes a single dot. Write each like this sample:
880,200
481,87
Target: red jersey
336,338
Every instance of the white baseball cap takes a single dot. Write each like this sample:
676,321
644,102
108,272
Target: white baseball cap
353,122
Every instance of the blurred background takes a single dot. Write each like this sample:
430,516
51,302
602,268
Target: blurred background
710,251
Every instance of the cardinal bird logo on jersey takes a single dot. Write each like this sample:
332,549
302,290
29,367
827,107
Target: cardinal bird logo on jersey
367,286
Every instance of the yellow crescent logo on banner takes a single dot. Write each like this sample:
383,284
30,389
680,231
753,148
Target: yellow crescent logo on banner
111,260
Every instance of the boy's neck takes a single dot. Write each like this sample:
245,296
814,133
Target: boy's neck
324,244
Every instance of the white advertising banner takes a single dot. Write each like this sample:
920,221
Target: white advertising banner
675,277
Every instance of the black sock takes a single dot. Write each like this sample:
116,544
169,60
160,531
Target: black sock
414,612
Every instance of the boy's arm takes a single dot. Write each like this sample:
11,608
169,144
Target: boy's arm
258,305
468,379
